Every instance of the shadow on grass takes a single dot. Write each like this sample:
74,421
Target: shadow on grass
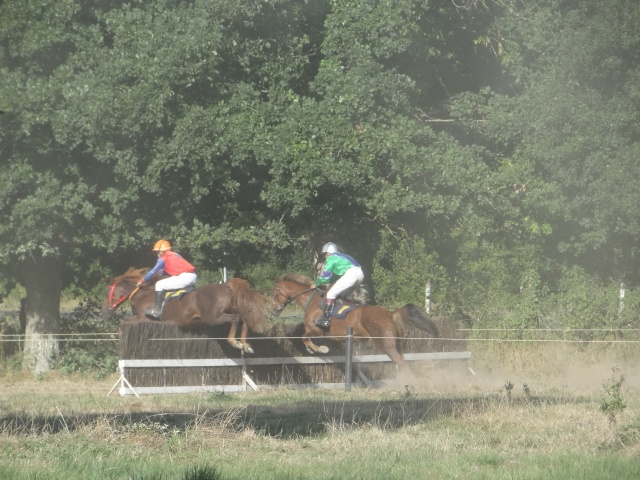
306,419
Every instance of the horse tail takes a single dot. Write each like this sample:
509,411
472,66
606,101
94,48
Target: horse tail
249,304
411,315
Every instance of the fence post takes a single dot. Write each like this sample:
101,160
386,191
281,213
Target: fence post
224,267
348,360
427,298
621,296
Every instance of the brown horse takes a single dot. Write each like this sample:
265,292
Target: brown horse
383,326
233,302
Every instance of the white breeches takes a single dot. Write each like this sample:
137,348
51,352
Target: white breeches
346,284
177,282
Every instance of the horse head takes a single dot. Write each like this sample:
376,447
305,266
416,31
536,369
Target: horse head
120,290
288,288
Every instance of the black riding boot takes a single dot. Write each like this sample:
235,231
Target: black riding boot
157,307
325,321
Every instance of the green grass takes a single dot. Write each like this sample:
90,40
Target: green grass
62,428
363,454
66,427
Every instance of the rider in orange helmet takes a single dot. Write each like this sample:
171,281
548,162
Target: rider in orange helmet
181,274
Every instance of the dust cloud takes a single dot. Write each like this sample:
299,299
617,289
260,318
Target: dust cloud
573,374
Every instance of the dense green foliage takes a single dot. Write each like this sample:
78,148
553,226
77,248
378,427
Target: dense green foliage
490,148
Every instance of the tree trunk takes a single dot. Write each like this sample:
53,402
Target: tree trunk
43,286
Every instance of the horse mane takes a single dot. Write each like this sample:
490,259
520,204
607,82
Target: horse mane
296,277
249,303
133,274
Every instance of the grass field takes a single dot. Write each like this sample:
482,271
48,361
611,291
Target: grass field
547,424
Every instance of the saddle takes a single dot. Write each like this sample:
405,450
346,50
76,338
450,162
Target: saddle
341,307
176,294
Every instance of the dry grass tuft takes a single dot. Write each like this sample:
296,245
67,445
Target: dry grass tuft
451,424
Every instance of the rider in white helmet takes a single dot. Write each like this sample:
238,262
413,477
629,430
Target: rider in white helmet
344,271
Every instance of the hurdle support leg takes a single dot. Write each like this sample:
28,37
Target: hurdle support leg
248,381
122,381
363,377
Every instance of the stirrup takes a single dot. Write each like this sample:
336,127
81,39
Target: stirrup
153,314
323,323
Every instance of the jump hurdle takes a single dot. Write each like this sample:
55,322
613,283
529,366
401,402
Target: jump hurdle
247,383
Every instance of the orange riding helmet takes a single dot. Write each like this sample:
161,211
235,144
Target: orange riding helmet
162,246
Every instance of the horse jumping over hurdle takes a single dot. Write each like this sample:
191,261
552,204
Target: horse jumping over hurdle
385,327
232,302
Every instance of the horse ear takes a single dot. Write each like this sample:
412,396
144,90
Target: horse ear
131,272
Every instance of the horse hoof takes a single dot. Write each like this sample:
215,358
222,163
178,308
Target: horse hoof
248,349
323,349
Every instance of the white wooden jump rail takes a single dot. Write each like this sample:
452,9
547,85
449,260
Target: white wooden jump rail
127,389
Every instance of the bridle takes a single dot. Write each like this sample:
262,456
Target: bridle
115,304
289,299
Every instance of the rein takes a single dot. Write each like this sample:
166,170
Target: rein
122,299
291,299
309,301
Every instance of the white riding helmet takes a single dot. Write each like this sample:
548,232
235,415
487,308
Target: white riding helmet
329,248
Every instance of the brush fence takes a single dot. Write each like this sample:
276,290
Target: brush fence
161,358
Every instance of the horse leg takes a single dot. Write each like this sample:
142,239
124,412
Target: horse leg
246,348
313,348
389,346
311,330
234,319
308,343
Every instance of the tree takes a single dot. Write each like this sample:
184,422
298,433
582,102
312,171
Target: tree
128,122
47,203
220,123
273,126
361,154
566,113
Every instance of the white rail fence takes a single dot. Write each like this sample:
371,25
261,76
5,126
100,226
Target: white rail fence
248,384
